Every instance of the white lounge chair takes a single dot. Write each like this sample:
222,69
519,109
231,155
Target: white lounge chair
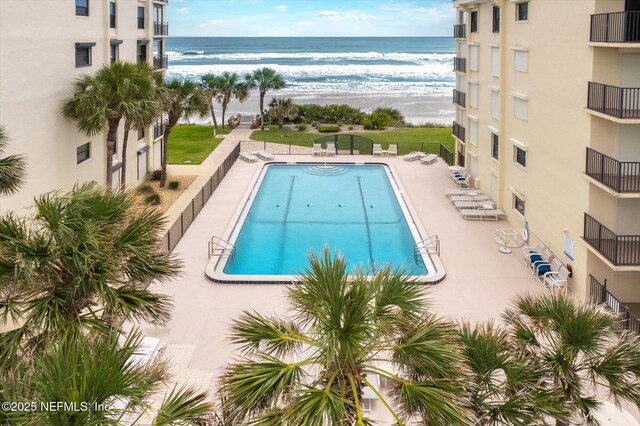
463,183
393,150
429,159
469,198
456,192
248,157
480,205
413,156
377,149
481,214
317,149
265,155
331,148
557,280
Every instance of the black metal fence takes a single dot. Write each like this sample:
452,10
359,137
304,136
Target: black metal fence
620,102
459,131
180,226
160,62
623,176
160,28
617,27
619,249
460,64
600,295
460,159
460,31
459,98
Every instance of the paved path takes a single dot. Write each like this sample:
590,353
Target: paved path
230,141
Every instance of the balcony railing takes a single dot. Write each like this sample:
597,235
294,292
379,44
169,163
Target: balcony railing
458,131
460,159
459,98
618,27
620,102
623,176
160,62
160,28
460,31
158,129
623,250
460,64
599,295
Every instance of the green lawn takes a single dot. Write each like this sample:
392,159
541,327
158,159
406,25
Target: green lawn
192,143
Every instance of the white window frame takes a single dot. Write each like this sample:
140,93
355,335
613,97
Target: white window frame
474,60
474,94
495,102
495,60
473,124
524,64
494,132
521,113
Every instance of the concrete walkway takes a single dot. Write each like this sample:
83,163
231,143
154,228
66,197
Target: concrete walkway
242,132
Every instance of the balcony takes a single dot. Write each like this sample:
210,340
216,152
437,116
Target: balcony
160,28
628,313
460,64
460,159
458,131
618,27
460,31
459,98
160,62
621,176
618,102
621,250
158,129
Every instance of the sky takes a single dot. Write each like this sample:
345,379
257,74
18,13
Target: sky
311,18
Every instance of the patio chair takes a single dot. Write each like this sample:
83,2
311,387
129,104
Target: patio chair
557,280
429,159
317,149
539,264
248,157
413,156
469,198
377,149
331,148
265,155
463,183
459,175
457,192
471,214
393,150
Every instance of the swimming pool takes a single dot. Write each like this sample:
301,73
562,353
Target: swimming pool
355,209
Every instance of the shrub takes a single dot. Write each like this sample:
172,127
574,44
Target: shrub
328,129
350,127
145,189
314,123
152,199
156,174
174,185
396,117
302,127
378,120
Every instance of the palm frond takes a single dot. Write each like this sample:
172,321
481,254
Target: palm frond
185,406
270,335
12,168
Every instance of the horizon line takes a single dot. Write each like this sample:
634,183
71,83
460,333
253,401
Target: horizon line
257,36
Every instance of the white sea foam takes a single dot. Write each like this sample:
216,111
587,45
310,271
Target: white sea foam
417,58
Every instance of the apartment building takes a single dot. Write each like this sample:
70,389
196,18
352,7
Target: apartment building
548,123
44,47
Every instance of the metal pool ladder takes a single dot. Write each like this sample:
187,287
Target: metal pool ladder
220,247
429,246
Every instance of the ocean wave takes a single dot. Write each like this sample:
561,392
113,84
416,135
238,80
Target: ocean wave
417,58
192,52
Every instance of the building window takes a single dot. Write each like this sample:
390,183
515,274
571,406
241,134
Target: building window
83,54
474,21
142,52
521,108
83,152
114,53
140,133
82,7
141,17
473,58
522,11
473,132
496,19
495,104
112,14
521,60
520,156
518,204
495,61
473,95
495,146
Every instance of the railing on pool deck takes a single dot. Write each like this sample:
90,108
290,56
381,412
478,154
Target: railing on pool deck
180,226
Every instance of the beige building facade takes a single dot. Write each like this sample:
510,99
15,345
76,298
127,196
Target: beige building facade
44,47
548,123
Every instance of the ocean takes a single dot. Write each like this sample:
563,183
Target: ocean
413,74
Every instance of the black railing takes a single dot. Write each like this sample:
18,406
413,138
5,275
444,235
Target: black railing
623,176
158,129
160,62
619,249
458,131
460,31
620,102
460,159
446,155
160,28
618,27
599,295
460,64
459,98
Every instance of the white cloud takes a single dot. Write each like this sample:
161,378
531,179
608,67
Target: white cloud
281,8
305,23
182,11
328,13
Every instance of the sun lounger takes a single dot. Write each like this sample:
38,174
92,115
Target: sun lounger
377,149
248,157
481,214
265,155
485,205
456,192
469,198
413,156
317,149
393,150
429,159
331,148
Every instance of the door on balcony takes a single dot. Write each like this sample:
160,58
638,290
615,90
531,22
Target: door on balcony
632,20
495,191
473,166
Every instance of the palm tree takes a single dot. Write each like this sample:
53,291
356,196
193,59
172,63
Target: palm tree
183,98
344,331
79,264
264,79
231,87
12,168
210,85
103,99
281,108
99,373
577,348
506,387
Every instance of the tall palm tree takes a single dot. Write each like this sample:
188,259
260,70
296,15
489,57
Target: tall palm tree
281,108
79,264
101,374
264,79
103,99
312,368
231,87
211,89
183,98
12,168
577,348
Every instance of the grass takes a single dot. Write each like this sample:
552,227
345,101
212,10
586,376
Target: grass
192,143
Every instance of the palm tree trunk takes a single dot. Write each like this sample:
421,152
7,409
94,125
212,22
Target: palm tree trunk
123,173
163,157
224,110
112,135
213,115
280,121
262,93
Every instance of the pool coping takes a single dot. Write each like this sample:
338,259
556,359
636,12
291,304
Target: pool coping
219,277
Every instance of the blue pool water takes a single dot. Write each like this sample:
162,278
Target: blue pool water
298,208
